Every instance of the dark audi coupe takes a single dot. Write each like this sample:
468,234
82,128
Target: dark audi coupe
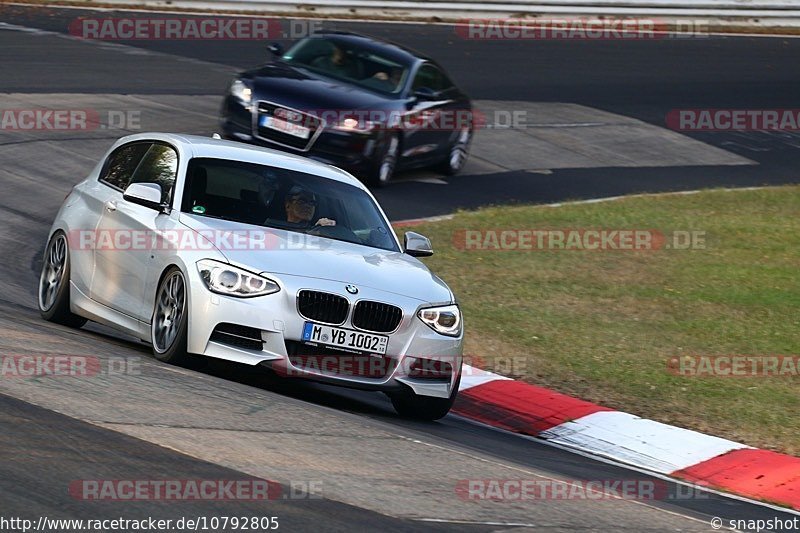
367,106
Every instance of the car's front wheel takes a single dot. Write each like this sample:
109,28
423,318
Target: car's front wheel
168,327
458,153
410,405
386,163
54,284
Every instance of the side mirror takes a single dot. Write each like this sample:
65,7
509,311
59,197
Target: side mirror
425,93
275,48
146,194
417,245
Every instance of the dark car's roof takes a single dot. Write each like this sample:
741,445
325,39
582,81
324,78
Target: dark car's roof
388,49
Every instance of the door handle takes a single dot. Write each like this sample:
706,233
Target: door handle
111,205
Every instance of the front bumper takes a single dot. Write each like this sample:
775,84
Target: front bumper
276,319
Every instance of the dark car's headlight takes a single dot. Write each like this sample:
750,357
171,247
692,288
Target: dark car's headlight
233,281
242,92
355,125
445,320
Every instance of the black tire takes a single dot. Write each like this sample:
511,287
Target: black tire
169,345
383,170
457,153
53,291
409,405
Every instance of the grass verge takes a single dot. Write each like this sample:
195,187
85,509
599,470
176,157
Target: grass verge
603,324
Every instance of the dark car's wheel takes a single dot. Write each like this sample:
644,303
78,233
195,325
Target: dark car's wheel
410,405
457,154
54,284
386,162
169,323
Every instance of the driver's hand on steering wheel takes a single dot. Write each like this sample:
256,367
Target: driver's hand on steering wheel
326,222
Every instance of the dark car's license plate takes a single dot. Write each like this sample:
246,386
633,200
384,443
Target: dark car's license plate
283,126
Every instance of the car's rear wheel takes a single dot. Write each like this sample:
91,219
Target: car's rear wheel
54,284
410,405
383,171
168,327
458,154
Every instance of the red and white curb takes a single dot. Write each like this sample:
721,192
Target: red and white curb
684,454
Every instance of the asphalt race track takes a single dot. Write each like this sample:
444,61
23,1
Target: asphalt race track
595,128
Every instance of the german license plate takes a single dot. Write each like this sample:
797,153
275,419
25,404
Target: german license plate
283,126
345,338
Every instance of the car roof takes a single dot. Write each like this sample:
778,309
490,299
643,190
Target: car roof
200,146
391,50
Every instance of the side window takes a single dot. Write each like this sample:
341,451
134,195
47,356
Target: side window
122,163
446,83
430,77
159,165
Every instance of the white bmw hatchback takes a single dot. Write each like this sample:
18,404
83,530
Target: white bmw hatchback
214,248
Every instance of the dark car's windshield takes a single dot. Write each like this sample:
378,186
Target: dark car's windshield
344,61
285,199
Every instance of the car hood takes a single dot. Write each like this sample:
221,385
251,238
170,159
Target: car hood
297,254
304,90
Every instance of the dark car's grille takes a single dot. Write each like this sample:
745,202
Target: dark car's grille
376,316
322,306
239,336
324,360
289,115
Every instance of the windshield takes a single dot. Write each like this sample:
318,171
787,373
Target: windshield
343,61
284,199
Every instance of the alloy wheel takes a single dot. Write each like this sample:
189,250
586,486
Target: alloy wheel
53,272
170,307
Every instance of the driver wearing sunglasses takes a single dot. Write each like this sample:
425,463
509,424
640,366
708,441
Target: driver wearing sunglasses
300,207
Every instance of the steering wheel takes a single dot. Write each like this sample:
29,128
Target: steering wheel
334,232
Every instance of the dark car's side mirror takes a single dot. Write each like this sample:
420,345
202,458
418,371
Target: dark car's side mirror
417,245
425,93
146,194
275,48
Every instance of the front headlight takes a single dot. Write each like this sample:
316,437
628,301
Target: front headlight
355,124
445,320
232,281
241,91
